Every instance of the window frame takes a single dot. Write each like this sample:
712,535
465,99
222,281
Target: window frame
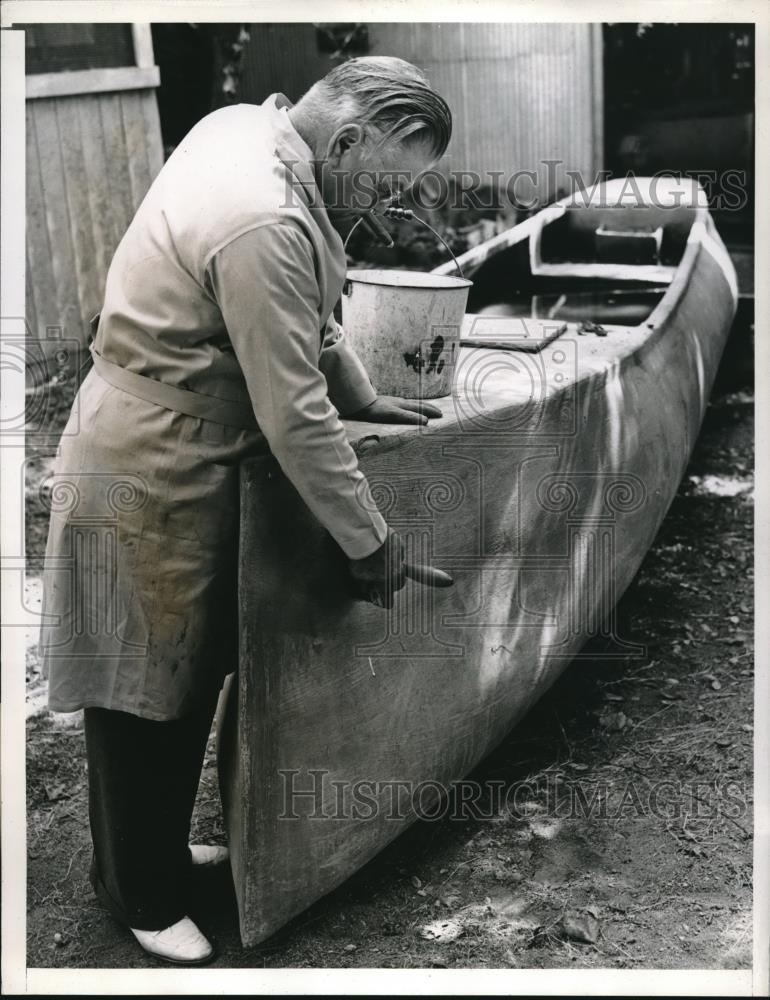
67,83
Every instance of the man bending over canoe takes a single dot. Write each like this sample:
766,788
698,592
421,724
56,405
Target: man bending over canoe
216,342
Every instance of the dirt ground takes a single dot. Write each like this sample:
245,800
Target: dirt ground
632,848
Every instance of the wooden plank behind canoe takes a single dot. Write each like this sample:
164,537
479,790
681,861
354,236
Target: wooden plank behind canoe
90,160
542,511
59,302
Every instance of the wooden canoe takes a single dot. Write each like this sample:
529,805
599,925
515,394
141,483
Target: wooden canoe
540,491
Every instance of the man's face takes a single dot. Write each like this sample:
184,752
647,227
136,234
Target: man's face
362,172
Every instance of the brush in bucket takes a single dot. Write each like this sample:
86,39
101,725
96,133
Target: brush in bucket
405,325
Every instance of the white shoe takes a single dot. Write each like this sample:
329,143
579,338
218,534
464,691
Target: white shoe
181,943
208,855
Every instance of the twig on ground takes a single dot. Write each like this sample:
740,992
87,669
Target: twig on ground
61,881
564,736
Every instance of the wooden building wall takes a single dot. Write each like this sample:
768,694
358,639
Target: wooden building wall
91,156
520,94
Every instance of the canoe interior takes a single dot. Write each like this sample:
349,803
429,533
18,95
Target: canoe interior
603,303
507,284
580,235
504,285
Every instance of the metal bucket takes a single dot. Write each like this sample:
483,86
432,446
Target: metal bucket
405,328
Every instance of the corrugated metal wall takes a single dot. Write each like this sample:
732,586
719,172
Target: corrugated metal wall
281,57
521,94
90,160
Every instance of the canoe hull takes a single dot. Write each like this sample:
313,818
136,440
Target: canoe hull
541,492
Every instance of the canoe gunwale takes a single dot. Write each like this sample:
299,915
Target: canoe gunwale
701,232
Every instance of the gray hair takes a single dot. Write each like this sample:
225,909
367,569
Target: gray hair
393,96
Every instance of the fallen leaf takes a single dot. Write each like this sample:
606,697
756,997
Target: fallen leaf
415,882
442,930
614,721
583,927
546,828
55,792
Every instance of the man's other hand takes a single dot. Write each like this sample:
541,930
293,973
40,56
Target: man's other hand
378,576
393,410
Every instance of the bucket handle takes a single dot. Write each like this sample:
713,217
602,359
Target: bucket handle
398,213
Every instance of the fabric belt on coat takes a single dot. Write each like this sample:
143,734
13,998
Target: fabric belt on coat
229,412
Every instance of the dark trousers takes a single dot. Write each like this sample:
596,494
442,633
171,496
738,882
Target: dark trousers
142,781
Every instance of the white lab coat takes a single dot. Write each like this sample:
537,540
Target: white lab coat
223,285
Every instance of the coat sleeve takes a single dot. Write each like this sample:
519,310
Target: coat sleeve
350,388
264,282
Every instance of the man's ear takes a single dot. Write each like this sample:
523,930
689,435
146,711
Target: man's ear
344,139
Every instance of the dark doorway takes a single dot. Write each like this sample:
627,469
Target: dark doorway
680,98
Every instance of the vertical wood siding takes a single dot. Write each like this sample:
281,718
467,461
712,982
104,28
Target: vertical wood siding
521,94
90,161
281,57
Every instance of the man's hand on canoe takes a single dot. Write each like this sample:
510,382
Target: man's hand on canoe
378,576
393,410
